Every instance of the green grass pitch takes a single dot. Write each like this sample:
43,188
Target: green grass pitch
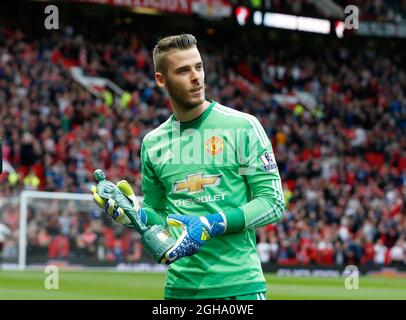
92,285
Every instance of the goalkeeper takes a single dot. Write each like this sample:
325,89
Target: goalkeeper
209,175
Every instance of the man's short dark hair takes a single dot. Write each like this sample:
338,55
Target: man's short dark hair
167,44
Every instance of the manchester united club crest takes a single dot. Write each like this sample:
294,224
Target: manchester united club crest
214,145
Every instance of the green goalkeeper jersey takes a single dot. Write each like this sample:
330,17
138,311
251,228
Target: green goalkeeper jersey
221,161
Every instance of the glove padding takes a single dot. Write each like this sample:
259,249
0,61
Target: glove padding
196,232
115,211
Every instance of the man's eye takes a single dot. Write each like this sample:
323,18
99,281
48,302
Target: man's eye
199,67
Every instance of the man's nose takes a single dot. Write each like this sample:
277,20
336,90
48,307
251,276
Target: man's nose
195,75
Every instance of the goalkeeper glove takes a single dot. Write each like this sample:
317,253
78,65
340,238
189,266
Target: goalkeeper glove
115,211
196,232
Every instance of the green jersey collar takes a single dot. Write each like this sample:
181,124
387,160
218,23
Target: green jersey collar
197,121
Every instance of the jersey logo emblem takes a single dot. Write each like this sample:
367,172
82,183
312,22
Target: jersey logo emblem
196,182
269,162
214,145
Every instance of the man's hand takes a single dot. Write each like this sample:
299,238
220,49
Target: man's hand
196,232
115,211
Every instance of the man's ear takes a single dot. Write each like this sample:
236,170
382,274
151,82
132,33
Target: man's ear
159,79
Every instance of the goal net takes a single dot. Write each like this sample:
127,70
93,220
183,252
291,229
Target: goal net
68,229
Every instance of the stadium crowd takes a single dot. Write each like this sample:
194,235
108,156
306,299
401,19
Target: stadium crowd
342,160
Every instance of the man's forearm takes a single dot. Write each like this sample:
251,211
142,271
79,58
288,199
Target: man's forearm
155,216
263,210
266,208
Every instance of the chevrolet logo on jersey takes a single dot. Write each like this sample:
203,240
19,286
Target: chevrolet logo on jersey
196,182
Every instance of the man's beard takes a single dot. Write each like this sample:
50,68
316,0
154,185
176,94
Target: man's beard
179,99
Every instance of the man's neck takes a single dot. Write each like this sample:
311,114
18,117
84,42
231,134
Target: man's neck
183,115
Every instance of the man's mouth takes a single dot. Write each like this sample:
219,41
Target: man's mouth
195,90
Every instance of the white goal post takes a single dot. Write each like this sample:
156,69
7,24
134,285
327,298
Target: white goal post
25,196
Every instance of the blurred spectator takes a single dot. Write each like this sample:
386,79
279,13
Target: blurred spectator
86,243
339,254
397,253
118,251
59,247
264,251
5,232
42,241
380,253
135,248
10,250
369,254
